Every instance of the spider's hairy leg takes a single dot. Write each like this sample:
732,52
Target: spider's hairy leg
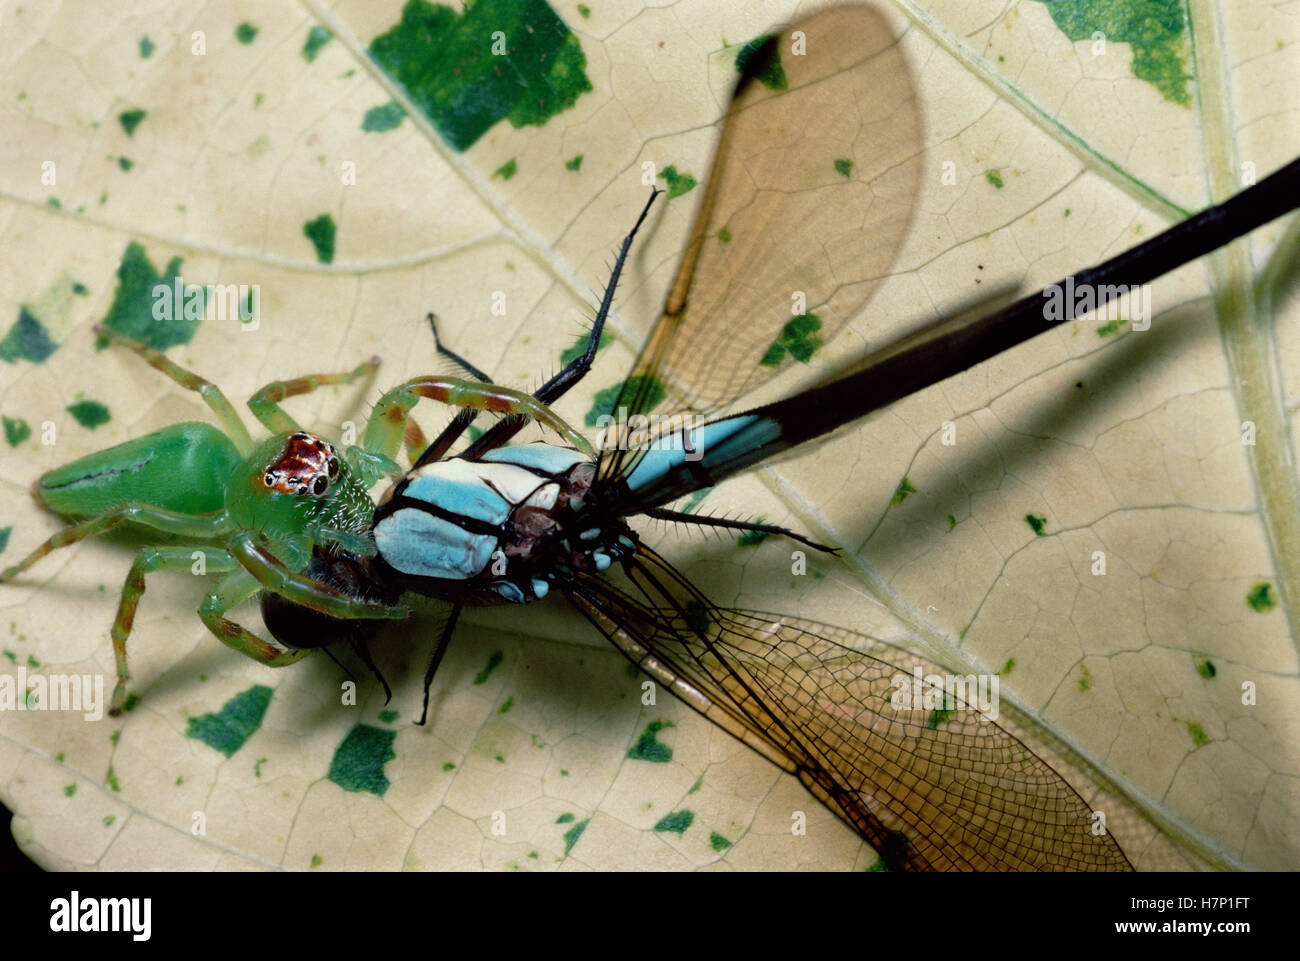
152,559
268,573
388,420
265,404
210,392
169,522
232,590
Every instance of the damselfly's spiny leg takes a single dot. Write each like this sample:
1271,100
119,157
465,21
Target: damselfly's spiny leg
451,355
210,392
421,452
265,404
152,559
576,369
704,520
169,522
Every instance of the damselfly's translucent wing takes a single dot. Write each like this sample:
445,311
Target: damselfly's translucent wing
804,207
930,789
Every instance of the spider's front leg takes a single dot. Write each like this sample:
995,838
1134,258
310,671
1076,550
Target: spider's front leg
265,404
387,422
260,570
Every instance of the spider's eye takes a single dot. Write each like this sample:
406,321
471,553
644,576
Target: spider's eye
333,467
269,480
320,486
302,489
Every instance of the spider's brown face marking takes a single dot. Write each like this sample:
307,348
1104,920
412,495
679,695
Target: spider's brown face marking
307,465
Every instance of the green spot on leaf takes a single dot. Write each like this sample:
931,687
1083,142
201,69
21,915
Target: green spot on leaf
584,11
126,163
17,430
761,60
507,169
677,822
1108,328
695,499
1261,597
245,32
257,766
4,537
130,119
359,760
1085,678
388,717
1037,523
109,819
753,538
641,384
724,234
237,721
146,48
493,662
507,705
565,818
678,183
450,64
574,164
994,177
387,116
133,303
27,340
648,747
1197,733
1205,667
580,347
938,717
1008,667
718,842
799,338
321,233
69,790
449,766
571,836
1155,29
317,860
843,166
317,37
901,491
89,413
110,778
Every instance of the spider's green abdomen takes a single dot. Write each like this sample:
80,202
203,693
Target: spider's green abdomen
183,468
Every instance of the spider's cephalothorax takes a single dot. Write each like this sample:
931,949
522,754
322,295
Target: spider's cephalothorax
504,527
307,465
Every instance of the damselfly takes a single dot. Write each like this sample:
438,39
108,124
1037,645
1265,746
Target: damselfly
518,523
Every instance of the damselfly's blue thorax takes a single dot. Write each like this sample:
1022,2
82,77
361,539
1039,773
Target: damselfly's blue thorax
505,527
